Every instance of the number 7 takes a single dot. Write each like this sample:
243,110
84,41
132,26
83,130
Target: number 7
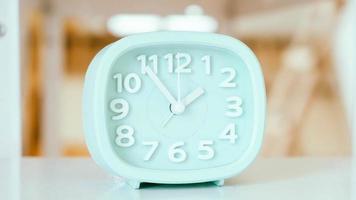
154,146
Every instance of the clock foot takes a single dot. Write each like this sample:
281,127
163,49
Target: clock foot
219,182
134,184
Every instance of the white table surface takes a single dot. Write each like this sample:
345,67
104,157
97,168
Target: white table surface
80,178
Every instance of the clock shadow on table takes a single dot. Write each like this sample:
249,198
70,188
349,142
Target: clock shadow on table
264,177
147,191
176,186
261,172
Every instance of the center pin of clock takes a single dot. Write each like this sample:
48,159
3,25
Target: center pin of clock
177,108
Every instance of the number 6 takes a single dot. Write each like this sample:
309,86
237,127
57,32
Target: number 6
175,154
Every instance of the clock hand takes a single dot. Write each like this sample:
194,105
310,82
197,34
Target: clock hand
185,102
161,86
190,98
169,117
175,108
178,86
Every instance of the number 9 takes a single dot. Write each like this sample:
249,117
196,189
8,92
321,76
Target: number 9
121,110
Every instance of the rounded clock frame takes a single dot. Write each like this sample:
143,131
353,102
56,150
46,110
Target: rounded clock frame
96,135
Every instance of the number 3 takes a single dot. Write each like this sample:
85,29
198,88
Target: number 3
234,108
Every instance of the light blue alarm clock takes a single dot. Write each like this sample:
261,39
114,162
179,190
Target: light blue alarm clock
174,108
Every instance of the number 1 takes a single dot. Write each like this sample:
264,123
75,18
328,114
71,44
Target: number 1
207,60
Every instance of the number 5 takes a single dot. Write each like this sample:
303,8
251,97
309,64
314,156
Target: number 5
205,146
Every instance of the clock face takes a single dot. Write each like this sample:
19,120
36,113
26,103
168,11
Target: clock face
179,106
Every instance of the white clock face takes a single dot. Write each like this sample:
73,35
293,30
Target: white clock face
177,107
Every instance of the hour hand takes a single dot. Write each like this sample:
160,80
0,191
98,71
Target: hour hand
190,98
160,86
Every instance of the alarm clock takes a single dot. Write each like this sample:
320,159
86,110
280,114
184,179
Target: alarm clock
174,108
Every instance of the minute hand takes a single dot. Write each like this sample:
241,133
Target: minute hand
161,86
190,98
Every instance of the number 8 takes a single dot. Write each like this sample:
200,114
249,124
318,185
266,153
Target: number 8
124,136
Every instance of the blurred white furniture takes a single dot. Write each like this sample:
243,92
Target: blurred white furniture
9,80
10,120
345,65
297,178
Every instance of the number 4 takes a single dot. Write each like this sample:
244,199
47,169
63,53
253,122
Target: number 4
229,133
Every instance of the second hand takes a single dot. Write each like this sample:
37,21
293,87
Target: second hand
178,97
167,119
178,85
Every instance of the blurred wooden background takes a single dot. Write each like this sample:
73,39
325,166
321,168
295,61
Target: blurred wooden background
305,113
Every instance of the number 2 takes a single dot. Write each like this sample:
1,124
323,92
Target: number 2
183,61
229,81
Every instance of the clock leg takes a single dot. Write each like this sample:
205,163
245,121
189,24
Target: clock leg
219,182
134,184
